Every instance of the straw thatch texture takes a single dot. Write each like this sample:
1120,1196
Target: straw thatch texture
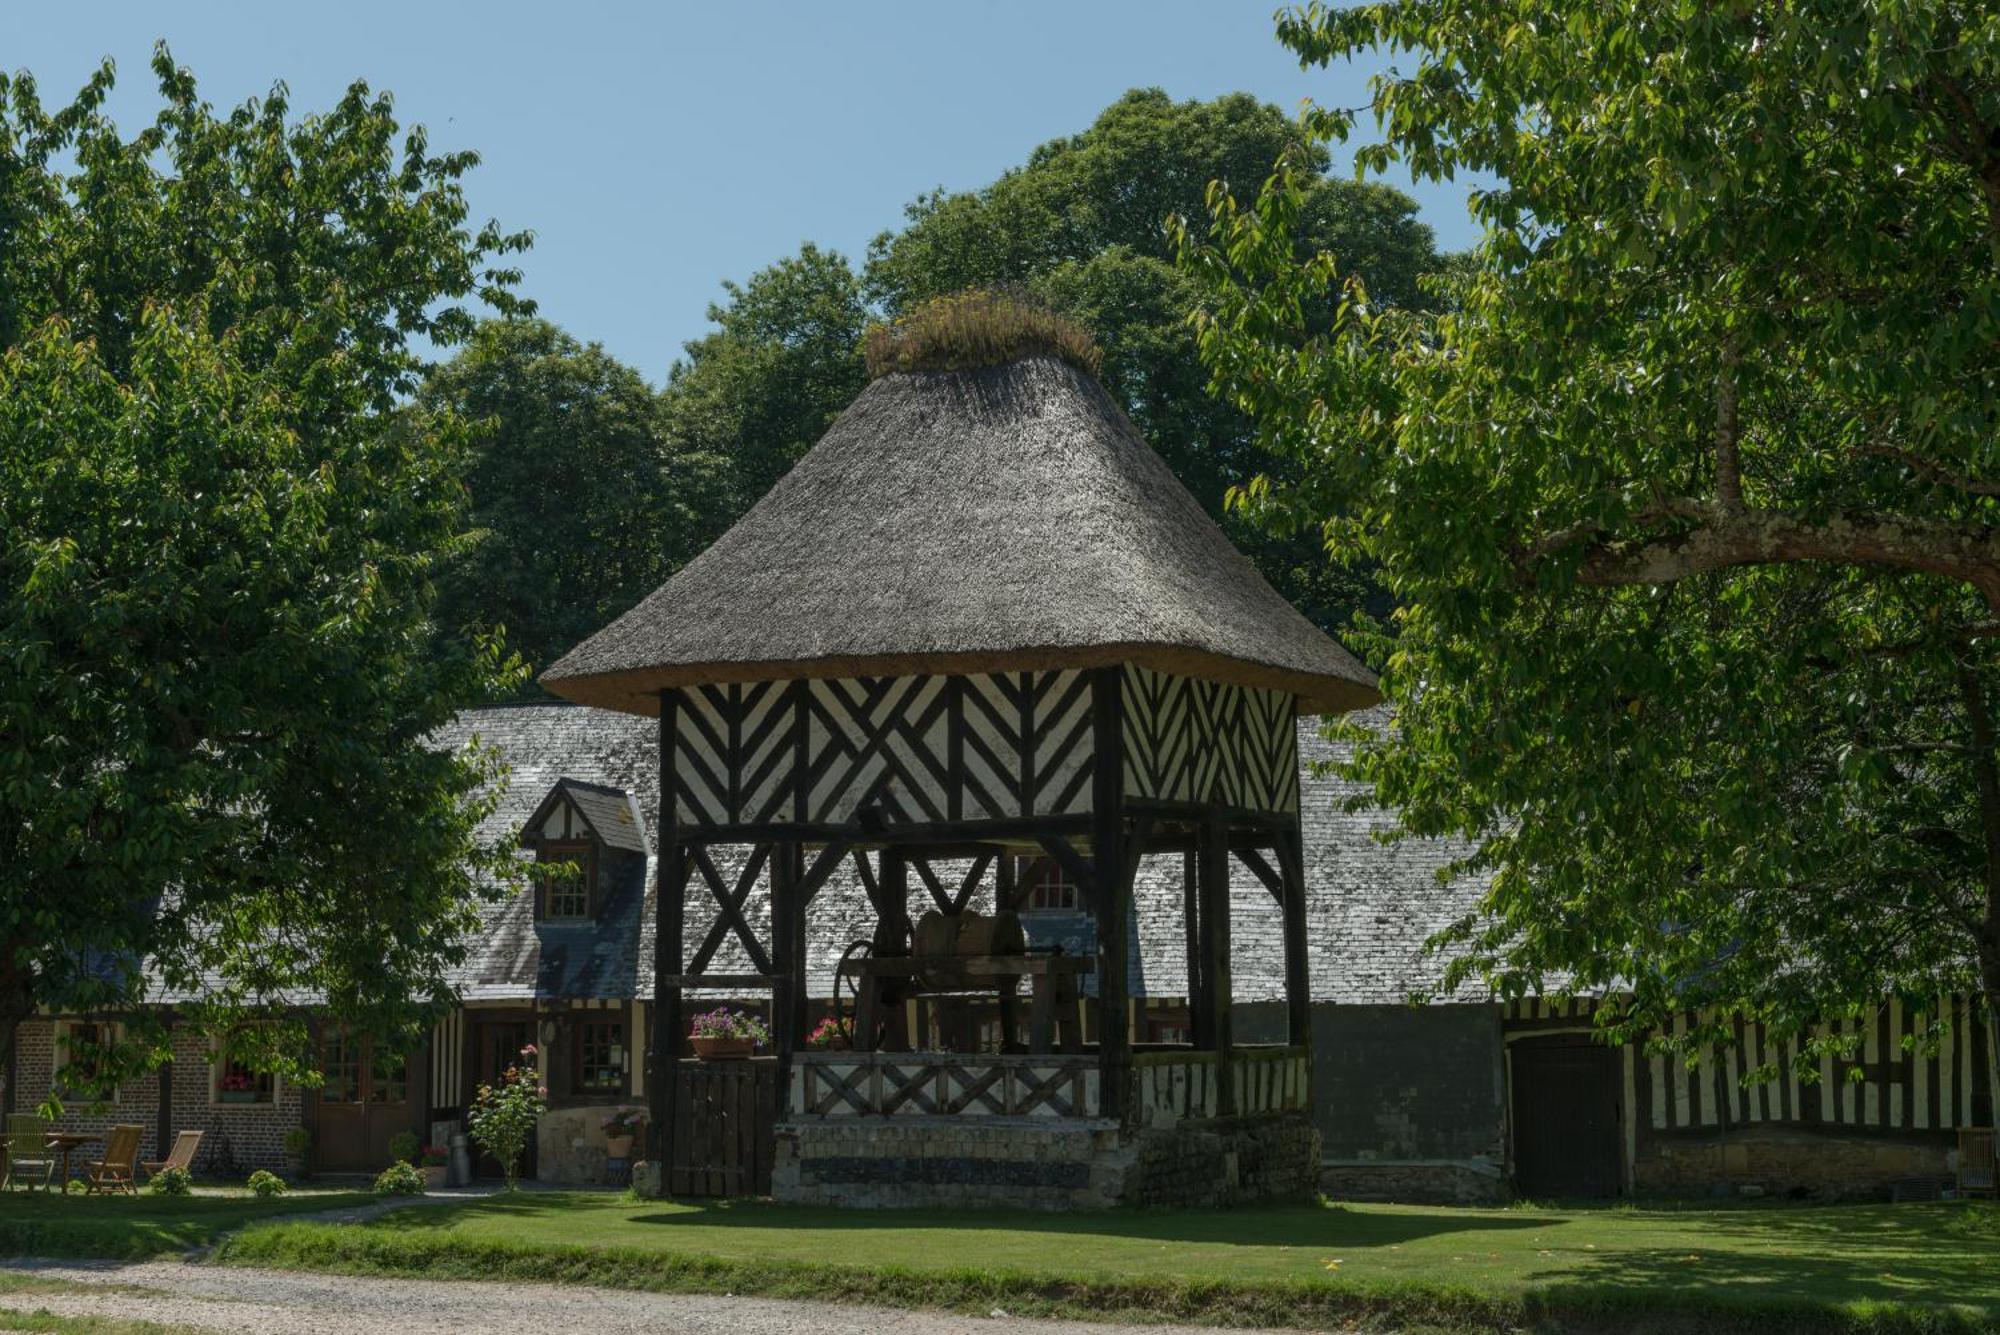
969,521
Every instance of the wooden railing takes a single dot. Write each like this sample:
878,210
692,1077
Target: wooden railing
889,1084
1170,1087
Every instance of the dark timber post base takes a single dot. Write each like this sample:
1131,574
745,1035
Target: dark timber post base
669,911
1213,894
1113,890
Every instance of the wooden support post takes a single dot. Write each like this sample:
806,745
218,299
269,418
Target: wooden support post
1199,1030
163,1118
1112,889
1213,875
669,915
1298,968
788,960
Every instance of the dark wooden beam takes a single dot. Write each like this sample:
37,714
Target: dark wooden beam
932,884
1254,859
1113,886
789,894
669,918
1298,964
1214,894
1200,1013
729,909
971,882
757,981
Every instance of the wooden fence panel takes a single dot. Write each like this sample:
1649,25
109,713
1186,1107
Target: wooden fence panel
723,1117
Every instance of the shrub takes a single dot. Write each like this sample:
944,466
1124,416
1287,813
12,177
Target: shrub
504,1115
399,1179
298,1142
977,327
726,1023
265,1183
403,1147
171,1182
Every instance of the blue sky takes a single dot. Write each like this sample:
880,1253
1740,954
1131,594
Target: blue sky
658,149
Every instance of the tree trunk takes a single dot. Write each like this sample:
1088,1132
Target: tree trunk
17,1004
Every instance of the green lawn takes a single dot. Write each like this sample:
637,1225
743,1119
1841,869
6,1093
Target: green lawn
1868,1267
130,1227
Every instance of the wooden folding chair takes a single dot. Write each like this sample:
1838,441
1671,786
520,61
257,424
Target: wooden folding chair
25,1160
181,1156
118,1168
1976,1173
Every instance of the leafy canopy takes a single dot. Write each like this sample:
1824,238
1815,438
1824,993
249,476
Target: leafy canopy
217,566
579,507
1685,489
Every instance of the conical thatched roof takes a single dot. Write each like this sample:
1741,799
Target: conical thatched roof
967,521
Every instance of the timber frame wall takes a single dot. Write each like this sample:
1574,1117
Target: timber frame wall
1094,768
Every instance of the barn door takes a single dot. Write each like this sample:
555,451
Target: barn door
1566,1117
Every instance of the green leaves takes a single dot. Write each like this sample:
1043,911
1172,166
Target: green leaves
217,568
1742,272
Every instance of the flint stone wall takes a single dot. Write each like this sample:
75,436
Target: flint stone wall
1032,1163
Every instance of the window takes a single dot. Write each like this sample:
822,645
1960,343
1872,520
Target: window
388,1078
83,1058
340,1065
235,1082
600,1057
566,881
1042,884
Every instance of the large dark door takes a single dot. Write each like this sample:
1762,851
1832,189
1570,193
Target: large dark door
364,1101
1566,1118
496,1045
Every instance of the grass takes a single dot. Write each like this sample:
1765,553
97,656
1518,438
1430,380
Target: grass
135,1227
1765,1267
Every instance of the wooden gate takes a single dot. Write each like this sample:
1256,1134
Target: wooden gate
724,1112
1566,1117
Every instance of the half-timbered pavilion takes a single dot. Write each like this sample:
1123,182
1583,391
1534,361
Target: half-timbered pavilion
982,619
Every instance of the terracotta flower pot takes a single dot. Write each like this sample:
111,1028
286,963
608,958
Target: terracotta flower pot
618,1147
434,1175
721,1049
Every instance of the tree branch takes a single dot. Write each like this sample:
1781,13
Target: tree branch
1724,538
1930,468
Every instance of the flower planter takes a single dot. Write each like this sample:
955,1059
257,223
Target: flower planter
434,1176
618,1147
237,1096
722,1049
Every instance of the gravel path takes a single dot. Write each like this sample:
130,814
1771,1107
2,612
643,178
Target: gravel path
282,1302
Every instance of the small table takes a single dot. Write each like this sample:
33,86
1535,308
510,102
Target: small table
67,1143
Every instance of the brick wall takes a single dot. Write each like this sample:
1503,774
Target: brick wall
237,1138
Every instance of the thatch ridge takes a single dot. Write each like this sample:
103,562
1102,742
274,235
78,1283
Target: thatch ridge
994,519
974,328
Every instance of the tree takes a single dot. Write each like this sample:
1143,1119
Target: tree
1083,227
217,567
579,510
759,392
1687,493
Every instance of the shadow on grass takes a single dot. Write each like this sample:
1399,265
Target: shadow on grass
1302,1225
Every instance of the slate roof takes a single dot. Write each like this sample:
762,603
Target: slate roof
1370,906
609,812
978,520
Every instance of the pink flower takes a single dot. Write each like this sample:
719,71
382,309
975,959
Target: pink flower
528,1051
542,1092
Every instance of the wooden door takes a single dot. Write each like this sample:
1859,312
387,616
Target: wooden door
496,1045
364,1102
724,1113
1566,1118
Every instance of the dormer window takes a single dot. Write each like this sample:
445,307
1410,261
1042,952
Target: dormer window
589,850
566,881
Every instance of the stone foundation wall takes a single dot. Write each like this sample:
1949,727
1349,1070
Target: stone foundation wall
1779,1161
1415,1181
570,1144
1041,1163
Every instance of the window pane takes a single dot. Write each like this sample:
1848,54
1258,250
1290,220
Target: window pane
341,1065
600,1055
388,1079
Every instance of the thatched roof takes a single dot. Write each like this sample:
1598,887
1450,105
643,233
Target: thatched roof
982,520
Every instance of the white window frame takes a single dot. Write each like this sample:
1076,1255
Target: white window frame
215,1099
